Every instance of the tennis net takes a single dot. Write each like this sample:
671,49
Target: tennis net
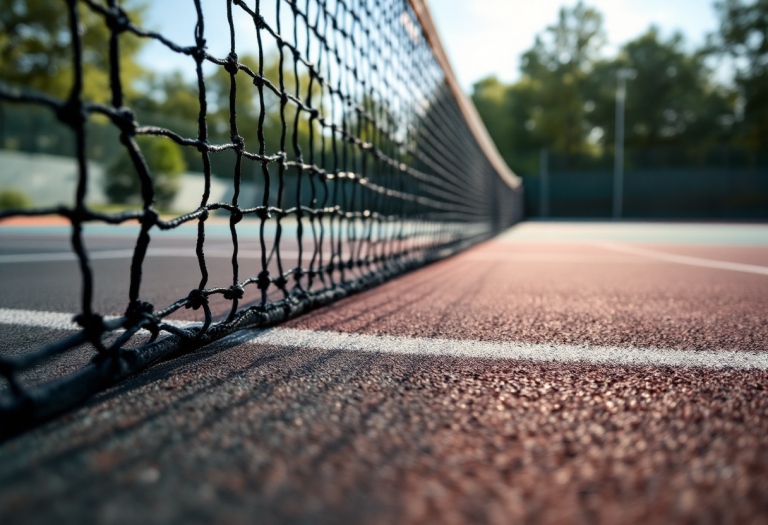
377,164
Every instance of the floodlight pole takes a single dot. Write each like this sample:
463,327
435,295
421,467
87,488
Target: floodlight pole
618,160
544,183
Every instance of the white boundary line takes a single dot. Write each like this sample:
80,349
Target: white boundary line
540,352
127,254
56,320
256,254
683,259
554,258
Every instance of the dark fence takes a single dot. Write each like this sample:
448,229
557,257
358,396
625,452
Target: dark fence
722,183
682,193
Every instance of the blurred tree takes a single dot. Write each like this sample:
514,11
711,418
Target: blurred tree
35,48
36,55
491,98
507,111
549,106
170,101
671,101
247,105
565,100
743,35
558,67
165,162
13,198
248,112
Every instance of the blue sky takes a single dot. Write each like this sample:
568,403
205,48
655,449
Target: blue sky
482,37
485,37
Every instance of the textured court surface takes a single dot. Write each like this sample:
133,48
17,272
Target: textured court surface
262,428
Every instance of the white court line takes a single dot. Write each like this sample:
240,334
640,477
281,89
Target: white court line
554,258
539,352
56,320
684,259
152,252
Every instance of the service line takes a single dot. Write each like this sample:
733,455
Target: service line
683,259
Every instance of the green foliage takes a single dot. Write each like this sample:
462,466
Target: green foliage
558,66
248,108
506,112
165,162
35,50
566,98
564,101
548,106
172,102
13,198
670,102
743,35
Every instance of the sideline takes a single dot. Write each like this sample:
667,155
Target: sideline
539,352
151,252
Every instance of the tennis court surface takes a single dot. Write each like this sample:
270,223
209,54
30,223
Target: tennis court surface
367,334
583,372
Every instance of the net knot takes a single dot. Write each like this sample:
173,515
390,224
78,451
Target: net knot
202,146
258,81
236,215
125,120
239,142
140,308
263,280
142,312
196,299
281,282
93,328
198,52
117,20
259,21
203,215
231,66
149,218
234,292
72,113
90,322
262,212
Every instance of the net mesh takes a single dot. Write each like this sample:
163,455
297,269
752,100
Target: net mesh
375,171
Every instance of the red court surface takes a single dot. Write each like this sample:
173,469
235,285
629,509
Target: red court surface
259,429
568,293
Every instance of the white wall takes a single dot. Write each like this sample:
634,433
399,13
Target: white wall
51,180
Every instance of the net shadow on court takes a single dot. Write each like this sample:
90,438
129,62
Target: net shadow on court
382,166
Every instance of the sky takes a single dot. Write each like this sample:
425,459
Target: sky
487,37
481,37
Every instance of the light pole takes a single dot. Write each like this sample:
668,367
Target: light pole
618,161
544,183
